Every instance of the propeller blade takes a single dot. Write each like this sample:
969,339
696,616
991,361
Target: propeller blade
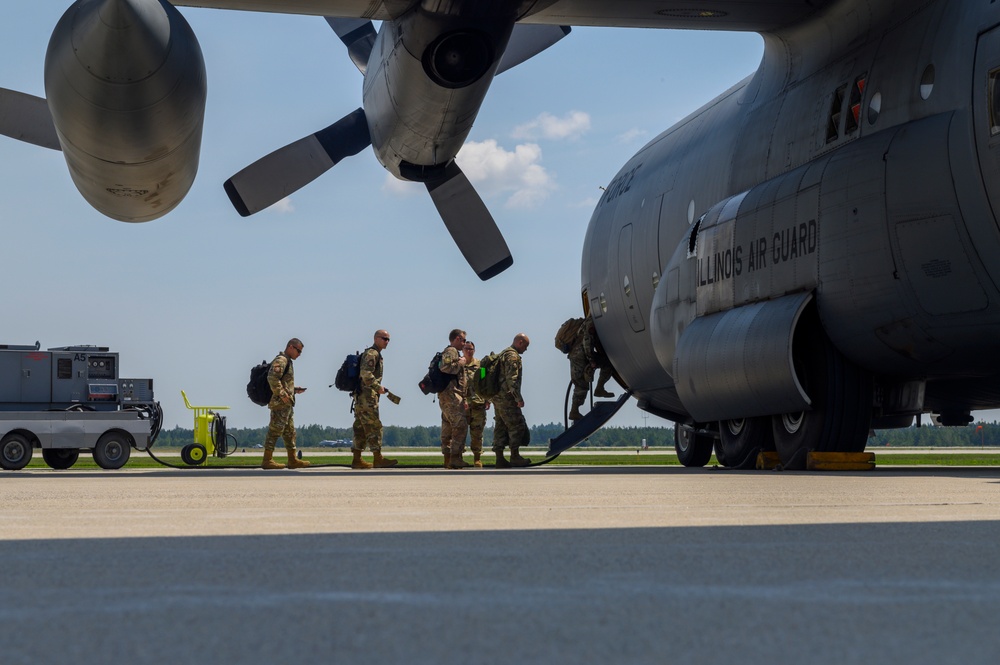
527,41
470,223
358,36
27,118
289,169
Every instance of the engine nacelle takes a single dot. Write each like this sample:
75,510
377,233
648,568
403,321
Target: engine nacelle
126,86
424,85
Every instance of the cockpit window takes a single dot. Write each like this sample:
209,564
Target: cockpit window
993,96
693,238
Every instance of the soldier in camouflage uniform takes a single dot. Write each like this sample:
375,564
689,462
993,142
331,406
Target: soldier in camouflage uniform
581,371
597,357
510,429
281,379
452,402
477,405
367,424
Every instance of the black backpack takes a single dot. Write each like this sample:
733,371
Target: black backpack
435,380
258,389
348,376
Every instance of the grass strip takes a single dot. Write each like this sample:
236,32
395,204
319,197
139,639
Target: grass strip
140,460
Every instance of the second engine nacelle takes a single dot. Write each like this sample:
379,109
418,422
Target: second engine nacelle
425,83
126,86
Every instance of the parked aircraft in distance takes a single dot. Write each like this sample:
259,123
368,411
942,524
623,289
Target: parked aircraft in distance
804,258
335,443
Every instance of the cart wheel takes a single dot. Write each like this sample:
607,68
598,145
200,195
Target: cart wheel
60,458
112,450
193,454
15,452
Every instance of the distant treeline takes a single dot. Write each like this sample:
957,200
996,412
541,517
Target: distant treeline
404,437
975,434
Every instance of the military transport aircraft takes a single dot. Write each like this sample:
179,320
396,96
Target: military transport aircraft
805,257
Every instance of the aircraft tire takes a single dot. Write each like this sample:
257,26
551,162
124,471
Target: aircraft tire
112,451
720,453
740,441
841,413
60,458
693,449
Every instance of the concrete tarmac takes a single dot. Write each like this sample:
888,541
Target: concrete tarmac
544,565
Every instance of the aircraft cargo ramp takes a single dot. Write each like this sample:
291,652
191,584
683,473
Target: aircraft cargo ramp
584,427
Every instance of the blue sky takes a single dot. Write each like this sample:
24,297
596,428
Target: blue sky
196,298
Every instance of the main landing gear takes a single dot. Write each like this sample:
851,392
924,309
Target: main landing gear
838,420
841,414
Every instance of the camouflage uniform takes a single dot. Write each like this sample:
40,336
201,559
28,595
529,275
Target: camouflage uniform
367,425
581,371
477,408
281,378
452,402
596,357
509,429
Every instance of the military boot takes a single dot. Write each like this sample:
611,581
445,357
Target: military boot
574,413
517,460
502,462
601,392
294,462
358,463
457,462
269,463
380,462
447,458
476,461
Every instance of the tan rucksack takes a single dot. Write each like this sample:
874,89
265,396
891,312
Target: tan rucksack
568,333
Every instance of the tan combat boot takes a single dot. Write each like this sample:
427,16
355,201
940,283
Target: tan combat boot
476,461
516,459
269,463
574,413
447,459
601,392
358,463
294,462
457,462
380,462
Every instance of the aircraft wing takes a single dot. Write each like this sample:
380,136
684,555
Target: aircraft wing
377,10
738,15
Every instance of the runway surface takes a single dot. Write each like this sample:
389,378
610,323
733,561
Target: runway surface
553,564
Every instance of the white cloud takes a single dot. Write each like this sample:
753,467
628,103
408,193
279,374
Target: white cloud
393,185
284,206
547,126
631,135
496,171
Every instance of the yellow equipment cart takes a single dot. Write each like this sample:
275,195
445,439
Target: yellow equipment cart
210,436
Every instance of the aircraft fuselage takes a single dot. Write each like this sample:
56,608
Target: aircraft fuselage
847,191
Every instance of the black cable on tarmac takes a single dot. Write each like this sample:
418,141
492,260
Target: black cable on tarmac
155,414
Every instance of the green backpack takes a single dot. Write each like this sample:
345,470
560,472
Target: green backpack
486,381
